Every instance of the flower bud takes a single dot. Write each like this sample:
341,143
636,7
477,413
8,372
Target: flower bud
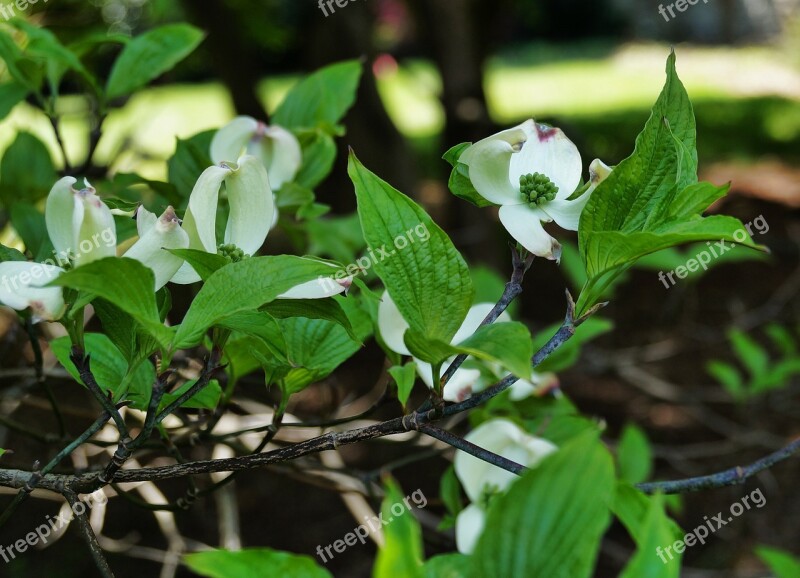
80,225
274,146
22,287
156,235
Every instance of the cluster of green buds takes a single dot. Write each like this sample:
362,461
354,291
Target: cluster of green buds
232,253
537,189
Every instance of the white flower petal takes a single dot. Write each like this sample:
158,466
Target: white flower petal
97,235
186,275
475,316
145,220
505,438
151,248
469,527
598,172
58,216
567,214
392,326
252,205
201,216
548,151
525,225
231,140
489,162
21,286
280,152
461,385
321,287
523,389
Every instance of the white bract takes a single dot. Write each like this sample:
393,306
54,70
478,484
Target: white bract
531,171
482,480
156,235
277,148
251,210
81,228
465,381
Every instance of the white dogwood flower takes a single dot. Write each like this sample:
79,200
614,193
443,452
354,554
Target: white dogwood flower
531,171
251,210
80,225
81,228
22,287
482,480
156,235
277,148
465,381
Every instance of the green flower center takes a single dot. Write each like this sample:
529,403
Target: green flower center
537,189
232,253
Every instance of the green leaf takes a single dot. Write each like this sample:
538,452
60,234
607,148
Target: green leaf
127,284
632,506
23,70
31,226
401,554
752,355
204,263
654,534
449,566
148,56
263,327
651,201
634,455
11,94
322,98
508,344
243,286
252,562
782,563
568,354
728,376
206,398
550,522
316,347
319,154
781,337
404,376
190,159
26,171
10,254
450,492
420,273
110,369
44,44
327,309
459,183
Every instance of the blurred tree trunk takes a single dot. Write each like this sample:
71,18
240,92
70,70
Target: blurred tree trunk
233,60
455,33
370,131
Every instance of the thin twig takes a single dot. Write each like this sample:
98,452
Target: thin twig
729,477
512,290
472,449
88,534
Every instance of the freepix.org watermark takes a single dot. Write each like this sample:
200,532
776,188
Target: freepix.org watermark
41,534
699,534
361,532
327,6
714,251
363,264
7,10
42,274
680,6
